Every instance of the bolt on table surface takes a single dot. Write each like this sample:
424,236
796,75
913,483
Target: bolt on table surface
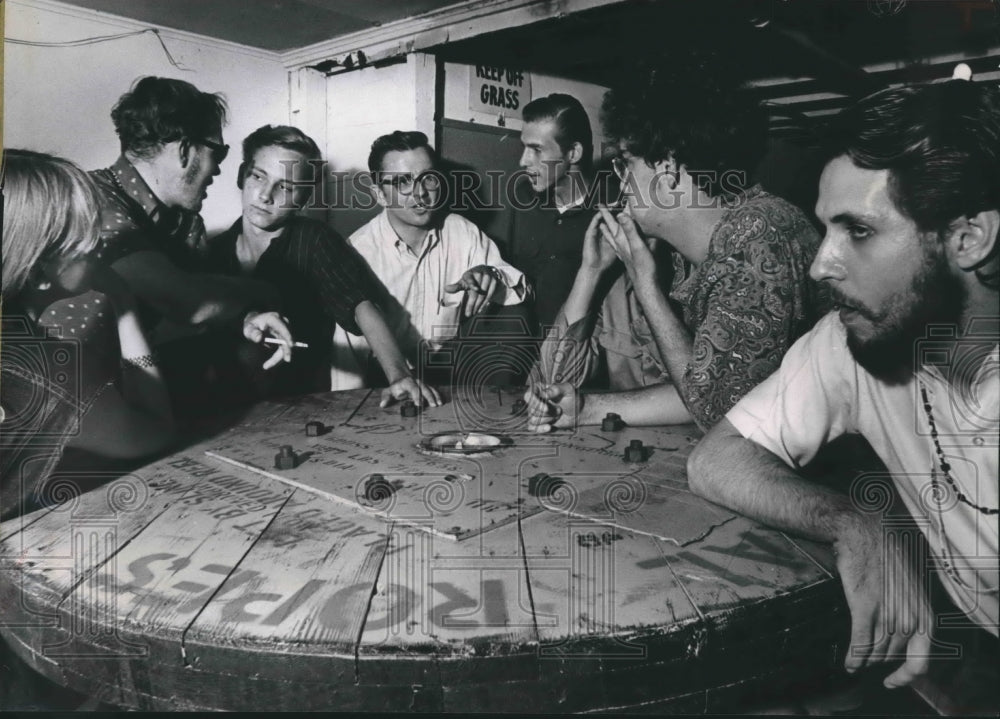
386,568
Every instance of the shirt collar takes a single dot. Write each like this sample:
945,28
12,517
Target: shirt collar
576,203
737,200
136,188
388,236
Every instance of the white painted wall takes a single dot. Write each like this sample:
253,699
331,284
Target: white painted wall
361,105
59,100
364,104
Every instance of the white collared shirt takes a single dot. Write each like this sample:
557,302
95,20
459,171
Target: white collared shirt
416,306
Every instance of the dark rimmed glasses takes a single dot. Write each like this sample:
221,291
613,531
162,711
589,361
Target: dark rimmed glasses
405,182
620,167
219,151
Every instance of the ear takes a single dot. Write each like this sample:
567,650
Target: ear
666,175
241,175
376,191
184,151
575,154
971,240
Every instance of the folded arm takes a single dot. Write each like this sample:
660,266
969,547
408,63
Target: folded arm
134,418
189,297
890,612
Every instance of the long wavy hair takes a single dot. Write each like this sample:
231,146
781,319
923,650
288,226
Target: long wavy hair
50,211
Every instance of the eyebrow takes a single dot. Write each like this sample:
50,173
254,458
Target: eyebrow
848,218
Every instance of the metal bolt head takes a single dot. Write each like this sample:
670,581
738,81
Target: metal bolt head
408,409
635,452
285,458
377,488
314,428
612,422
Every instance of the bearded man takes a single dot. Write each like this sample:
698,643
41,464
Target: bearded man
910,198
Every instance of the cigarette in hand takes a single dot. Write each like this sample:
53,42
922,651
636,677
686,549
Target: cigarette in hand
278,341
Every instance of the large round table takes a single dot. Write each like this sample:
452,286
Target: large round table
547,574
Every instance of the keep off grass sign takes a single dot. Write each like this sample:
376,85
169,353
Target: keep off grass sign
495,89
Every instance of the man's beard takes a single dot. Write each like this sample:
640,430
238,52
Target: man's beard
937,297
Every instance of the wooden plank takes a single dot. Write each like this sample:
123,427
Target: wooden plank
649,497
758,594
63,547
590,580
740,563
305,584
469,598
160,580
604,602
11,527
444,495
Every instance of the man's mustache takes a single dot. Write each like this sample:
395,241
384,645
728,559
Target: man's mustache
842,300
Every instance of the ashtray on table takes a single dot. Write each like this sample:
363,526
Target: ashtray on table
464,442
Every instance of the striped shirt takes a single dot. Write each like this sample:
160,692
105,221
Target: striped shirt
320,279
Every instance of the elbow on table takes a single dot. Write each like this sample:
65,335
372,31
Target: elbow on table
704,466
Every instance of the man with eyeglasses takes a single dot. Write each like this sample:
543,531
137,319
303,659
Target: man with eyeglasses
436,269
152,235
738,293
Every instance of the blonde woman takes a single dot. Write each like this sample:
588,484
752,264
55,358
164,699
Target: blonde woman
92,384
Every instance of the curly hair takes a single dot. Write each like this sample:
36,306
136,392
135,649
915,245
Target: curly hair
694,109
158,110
50,210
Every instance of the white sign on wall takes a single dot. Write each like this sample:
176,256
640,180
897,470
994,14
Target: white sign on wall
495,89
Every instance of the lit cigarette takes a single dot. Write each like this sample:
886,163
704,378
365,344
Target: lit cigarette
278,341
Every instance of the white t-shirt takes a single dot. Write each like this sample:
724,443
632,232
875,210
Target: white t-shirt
820,392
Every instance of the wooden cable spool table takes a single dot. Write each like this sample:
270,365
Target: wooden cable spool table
407,563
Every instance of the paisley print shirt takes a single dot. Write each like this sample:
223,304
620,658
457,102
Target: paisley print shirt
747,302
745,305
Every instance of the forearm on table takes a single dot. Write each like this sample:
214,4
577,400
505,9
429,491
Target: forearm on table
658,404
142,385
736,472
381,341
568,353
581,295
672,337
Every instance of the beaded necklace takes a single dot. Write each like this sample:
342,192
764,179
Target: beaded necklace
945,466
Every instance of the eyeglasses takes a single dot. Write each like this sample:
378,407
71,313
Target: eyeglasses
219,151
405,183
620,167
